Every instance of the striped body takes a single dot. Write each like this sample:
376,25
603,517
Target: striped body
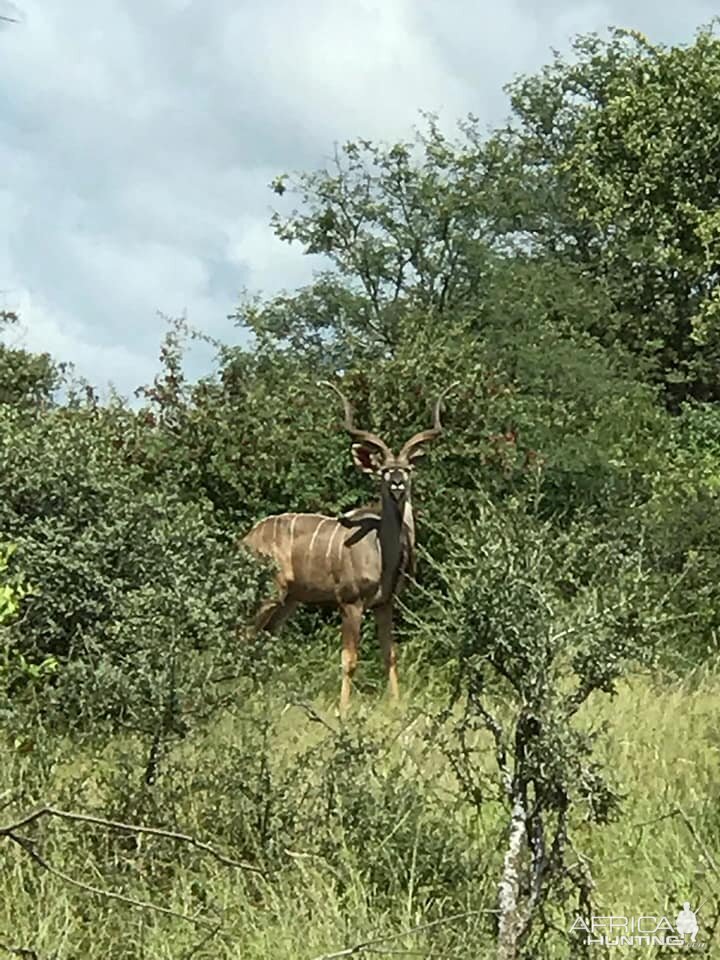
321,561
355,562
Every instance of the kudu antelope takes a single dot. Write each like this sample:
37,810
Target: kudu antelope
356,562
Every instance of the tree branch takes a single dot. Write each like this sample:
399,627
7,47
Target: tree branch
29,847
679,812
46,811
311,713
367,946
10,831
512,915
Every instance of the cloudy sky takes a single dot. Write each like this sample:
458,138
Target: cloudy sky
137,140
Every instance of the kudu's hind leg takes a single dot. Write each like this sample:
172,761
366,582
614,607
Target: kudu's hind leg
273,614
384,621
351,621
279,613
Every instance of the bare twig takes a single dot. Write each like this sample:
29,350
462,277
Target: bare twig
381,951
495,727
367,946
312,714
298,857
205,940
46,811
29,847
8,799
10,832
679,812
694,834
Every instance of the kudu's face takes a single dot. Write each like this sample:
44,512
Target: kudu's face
393,472
395,480
372,455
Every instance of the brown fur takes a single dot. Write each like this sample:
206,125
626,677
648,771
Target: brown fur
357,562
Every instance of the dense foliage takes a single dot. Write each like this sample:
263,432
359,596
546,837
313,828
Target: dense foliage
564,272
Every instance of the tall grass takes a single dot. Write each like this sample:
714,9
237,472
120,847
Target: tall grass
359,834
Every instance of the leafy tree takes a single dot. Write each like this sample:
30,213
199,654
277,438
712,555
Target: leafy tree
405,230
615,157
133,582
26,379
535,628
16,671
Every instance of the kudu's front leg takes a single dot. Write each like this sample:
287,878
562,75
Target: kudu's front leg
384,621
351,621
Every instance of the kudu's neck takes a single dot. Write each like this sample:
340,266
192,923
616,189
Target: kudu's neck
397,534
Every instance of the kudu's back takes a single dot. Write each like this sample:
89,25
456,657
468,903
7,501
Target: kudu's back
319,560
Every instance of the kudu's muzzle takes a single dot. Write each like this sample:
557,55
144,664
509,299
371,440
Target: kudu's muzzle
397,483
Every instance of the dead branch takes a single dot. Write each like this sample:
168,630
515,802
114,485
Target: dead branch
679,812
29,847
8,799
311,713
10,831
213,932
47,811
368,946
698,840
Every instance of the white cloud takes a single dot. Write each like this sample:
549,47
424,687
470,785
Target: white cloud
44,329
360,67
137,140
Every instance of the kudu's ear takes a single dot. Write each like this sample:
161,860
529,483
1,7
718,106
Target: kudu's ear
367,458
417,454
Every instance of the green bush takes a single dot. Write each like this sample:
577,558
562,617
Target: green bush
133,584
16,672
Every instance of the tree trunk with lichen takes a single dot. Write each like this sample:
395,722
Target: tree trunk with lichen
511,920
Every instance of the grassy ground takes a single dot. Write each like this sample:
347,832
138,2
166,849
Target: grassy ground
397,849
